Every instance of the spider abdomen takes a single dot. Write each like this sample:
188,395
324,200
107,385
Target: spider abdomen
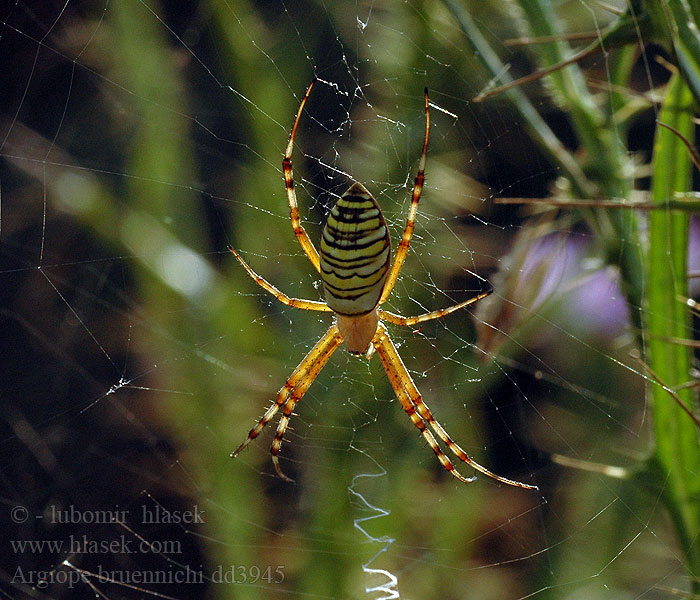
355,253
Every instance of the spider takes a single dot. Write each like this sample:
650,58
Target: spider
357,275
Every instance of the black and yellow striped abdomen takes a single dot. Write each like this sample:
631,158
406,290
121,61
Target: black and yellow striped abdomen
355,253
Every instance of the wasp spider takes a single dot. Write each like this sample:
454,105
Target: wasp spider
357,275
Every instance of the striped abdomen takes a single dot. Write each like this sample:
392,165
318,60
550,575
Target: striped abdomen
355,253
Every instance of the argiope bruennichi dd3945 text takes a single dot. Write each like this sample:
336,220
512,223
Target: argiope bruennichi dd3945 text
357,275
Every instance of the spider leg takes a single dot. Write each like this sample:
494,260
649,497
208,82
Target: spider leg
436,314
403,385
282,297
405,242
396,373
306,243
297,394
301,378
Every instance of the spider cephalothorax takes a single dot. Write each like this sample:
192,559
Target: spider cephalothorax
357,276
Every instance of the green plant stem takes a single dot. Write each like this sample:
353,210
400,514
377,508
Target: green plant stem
676,457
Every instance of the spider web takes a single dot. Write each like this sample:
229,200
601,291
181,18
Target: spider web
138,139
